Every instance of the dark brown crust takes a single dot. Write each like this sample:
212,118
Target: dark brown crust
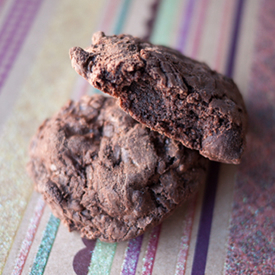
168,92
106,175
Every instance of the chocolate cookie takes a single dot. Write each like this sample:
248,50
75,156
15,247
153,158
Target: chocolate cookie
168,92
106,175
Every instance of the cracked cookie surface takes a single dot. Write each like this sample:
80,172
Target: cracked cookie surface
168,92
106,175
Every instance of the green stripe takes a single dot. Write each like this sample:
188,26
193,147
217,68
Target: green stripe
103,254
122,16
102,258
45,246
165,22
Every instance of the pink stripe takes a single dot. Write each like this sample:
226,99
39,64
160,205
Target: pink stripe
27,242
228,7
83,89
151,251
105,25
185,239
2,2
198,34
14,32
109,15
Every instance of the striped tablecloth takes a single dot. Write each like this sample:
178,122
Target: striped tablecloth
229,227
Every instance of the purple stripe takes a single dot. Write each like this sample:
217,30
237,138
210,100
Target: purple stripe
234,41
199,31
202,244
132,255
11,25
151,22
14,32
199,261
187,16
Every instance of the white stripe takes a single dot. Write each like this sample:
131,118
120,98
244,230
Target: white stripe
246,47
65,247
211,32
138,15
118,258
170,236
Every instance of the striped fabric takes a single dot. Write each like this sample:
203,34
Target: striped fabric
228,227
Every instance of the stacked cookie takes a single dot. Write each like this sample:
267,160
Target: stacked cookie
113,168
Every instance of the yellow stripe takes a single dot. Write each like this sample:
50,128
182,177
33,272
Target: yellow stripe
48,87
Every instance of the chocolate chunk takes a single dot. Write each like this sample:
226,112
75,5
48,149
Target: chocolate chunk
168,92
108,176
